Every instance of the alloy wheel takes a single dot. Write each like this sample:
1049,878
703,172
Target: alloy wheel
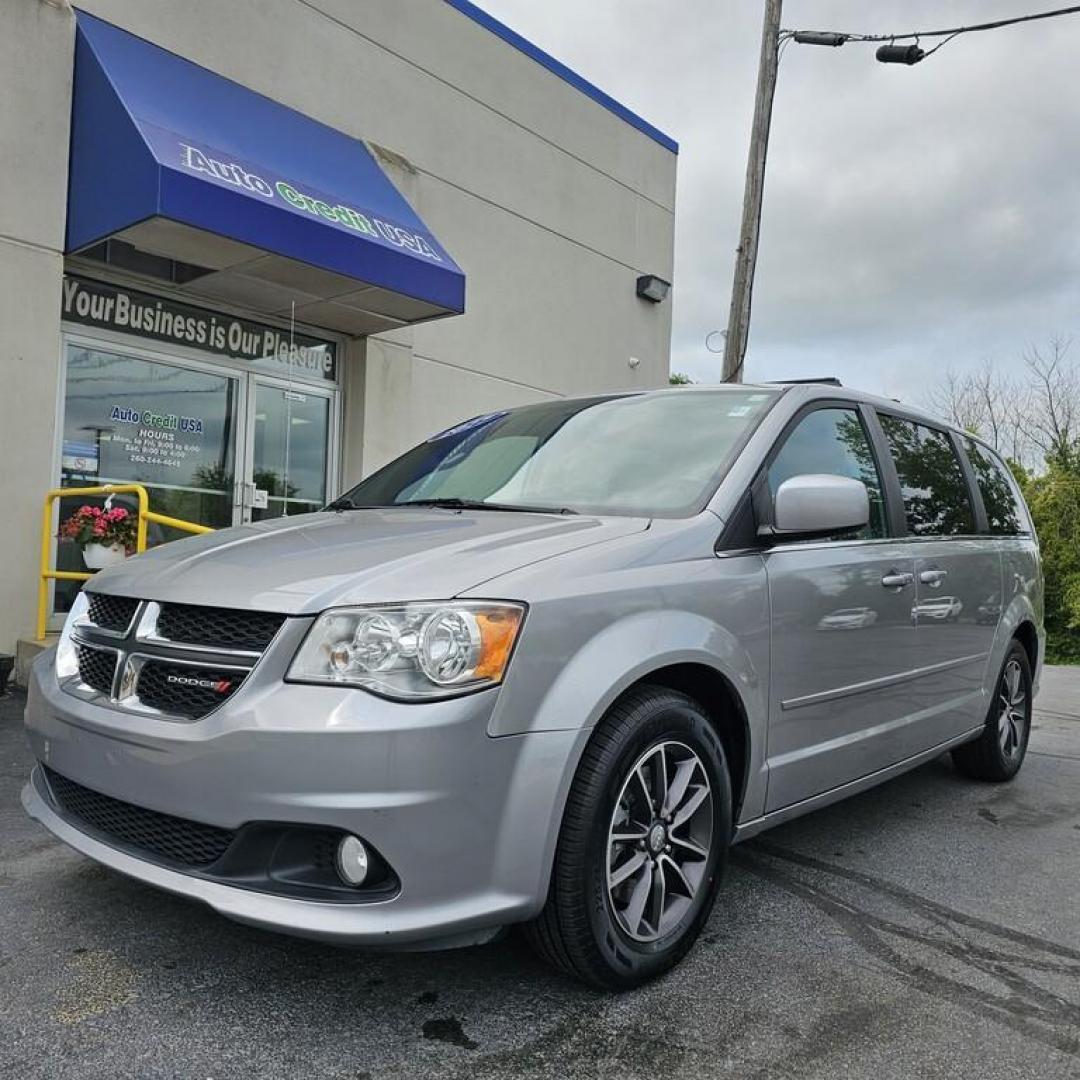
659,841
1012,717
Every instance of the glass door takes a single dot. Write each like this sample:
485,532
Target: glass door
290,441
173,427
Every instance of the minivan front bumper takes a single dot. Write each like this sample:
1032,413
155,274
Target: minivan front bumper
467,822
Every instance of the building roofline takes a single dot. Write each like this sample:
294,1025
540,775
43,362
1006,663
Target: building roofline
556,67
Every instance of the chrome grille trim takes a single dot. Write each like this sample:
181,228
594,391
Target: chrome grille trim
142,644
85,690
131,702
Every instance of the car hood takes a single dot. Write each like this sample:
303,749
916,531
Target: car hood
302,565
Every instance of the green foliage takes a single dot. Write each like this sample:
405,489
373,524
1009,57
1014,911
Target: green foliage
677,378
1054,501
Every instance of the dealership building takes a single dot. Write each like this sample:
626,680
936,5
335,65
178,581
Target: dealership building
250,251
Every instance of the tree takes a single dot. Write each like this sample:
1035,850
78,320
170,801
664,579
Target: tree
1053,415
990,404
1054,501
677,378
1032,418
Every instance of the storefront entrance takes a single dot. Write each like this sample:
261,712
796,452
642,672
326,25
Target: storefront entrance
211,442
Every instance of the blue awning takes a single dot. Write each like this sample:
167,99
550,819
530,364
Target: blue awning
282,209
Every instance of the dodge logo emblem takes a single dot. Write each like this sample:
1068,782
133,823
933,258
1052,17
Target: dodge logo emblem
219,686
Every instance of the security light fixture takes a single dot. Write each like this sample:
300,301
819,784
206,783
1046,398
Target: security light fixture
653,288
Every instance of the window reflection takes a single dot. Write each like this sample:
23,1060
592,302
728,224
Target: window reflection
291,432
134,421
1002,511
128,420
936,500
832,442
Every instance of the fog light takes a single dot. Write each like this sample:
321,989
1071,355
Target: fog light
352,861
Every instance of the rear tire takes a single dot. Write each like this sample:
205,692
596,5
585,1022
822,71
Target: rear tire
642,846
998,753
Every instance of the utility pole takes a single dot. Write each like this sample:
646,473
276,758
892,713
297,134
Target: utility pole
746,253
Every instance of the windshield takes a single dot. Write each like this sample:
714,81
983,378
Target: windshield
655,454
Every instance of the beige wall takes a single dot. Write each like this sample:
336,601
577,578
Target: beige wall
35,96
550,203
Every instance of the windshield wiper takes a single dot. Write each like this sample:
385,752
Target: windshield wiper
479,504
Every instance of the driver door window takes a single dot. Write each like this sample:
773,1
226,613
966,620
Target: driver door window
833,442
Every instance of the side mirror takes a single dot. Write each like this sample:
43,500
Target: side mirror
815,505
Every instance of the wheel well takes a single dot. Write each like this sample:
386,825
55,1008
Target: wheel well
1027,635
718,698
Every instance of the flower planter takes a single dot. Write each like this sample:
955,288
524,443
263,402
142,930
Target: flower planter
98,556
104,534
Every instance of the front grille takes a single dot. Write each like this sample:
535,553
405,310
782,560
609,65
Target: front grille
218,628
166,838
96,667
185,690
111,612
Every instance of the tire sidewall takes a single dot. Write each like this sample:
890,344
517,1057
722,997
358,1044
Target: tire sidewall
671,719
1010,766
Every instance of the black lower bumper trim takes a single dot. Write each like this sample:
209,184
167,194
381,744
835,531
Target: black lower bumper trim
282,858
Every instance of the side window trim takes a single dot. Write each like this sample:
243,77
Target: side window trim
892,492
760,494
982,520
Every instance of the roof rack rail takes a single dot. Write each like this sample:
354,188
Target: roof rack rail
828,380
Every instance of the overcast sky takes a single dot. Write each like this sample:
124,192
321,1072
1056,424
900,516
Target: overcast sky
915,219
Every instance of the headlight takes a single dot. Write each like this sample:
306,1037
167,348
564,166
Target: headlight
67,659
411,651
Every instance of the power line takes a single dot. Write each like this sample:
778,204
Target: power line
774,44
820,37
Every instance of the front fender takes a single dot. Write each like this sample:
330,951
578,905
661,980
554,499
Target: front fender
578,655
604,666
624,653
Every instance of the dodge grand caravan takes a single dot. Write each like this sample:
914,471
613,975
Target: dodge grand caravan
546,668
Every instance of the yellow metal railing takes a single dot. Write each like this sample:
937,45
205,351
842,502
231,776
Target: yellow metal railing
145,516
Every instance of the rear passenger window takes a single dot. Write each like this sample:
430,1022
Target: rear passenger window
936,499
1003,511
834,442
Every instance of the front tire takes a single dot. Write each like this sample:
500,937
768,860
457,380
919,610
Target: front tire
643,843
998,753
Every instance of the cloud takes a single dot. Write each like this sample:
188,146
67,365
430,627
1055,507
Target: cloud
915,218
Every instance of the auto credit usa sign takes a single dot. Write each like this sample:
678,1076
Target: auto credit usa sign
227,170
260,182
111,307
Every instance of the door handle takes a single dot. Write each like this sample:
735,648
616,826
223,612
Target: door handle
933,578
897,579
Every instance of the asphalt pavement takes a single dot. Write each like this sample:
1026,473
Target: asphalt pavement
928,928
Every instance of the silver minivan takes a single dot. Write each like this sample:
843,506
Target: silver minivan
545,668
